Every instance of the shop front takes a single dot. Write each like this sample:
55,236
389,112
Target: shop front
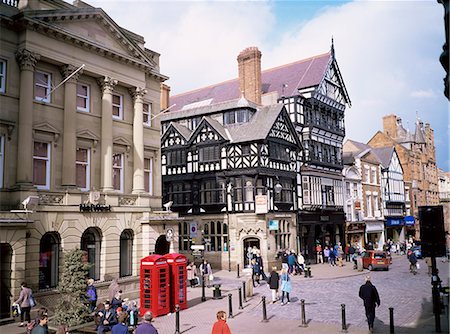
410,230
395,229
375,234
355,234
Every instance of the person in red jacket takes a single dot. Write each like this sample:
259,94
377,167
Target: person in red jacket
221,326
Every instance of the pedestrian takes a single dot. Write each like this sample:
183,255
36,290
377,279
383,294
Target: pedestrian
107,318
412,262
351,252
326,254
91,294
274,283
133,314
206,272
259,261
121,326
42,327
42,311
117,300
113,289
256,272
24,302
191,269
291,261
221,326
284,259
301,262
347,253
319,253
146,326
369,294
286,286
332,258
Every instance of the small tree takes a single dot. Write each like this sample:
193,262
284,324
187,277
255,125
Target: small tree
73,307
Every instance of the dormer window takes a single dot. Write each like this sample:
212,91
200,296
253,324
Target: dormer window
237,116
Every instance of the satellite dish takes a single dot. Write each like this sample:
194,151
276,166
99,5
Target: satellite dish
168,205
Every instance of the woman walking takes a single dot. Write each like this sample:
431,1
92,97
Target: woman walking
274,283
286,286
24,302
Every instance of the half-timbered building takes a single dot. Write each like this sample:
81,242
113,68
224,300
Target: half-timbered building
230,168
315,98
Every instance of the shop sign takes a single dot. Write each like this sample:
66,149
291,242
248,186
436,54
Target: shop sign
261,204
274,225
409,220
193,229
394,222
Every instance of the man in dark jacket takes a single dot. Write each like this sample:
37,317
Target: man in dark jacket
107,318
274,284
369,294
412,263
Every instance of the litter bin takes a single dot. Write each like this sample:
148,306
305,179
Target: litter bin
359,263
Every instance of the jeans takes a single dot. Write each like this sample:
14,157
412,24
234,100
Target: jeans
25,313
370,315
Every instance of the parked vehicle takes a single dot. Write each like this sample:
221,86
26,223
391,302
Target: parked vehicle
375,259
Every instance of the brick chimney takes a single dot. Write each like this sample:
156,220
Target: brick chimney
165,95
249,65
390,125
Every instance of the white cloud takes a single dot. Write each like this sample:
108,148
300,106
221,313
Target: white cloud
388,51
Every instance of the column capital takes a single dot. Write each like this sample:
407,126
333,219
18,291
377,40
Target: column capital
137,93
27,59
107,84
67,70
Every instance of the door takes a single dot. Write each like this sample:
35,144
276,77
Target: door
248,245
5,280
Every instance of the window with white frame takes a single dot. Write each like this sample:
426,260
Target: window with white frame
41,165
366,174
355,190
2,76
369,206
83,169
375,203
347,189
374,176
147,110
117,106
43,85
118,172
148,175
83,97
2,159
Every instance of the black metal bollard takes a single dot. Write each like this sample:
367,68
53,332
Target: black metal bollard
391,320
264,309
203,288
230,306
244,292
237,275
240,299
344,323
303,314
306,272
309,272
177,319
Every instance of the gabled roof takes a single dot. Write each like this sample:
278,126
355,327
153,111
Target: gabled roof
286,80
384,154
217,127
182,130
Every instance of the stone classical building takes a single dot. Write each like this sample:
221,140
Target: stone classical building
78,146
417,155
315,98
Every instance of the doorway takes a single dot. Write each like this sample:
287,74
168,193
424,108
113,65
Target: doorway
5,280
248,245
162,246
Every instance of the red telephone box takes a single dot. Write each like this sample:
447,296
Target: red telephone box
154,294
178,280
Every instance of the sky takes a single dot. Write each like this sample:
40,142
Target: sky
387,51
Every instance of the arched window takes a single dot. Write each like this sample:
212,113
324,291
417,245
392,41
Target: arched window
49,261
91,244
126,253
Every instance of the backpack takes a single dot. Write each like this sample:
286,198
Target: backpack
91,293
31,326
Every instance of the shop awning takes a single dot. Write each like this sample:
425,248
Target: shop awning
374,227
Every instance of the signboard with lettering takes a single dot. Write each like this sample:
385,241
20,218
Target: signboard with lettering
274,225
193,229
261,204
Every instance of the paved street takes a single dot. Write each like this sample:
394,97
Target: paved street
324,293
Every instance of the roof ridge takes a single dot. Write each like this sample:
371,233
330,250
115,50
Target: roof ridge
296,62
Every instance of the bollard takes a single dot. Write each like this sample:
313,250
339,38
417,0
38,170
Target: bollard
203,288
264,309
344,323
303,315
238,271
240,299
309,272
177,319
244,292
306,272
230,306
391,320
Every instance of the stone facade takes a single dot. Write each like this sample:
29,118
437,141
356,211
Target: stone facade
76,128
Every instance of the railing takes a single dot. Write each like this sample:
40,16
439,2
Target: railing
12,3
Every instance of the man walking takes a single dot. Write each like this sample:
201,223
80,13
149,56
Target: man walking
369,294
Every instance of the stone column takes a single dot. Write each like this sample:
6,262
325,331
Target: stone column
70,125
27,61
138,140
107,86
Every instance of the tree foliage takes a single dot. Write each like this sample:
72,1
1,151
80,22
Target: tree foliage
73,307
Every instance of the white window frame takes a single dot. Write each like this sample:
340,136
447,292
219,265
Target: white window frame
148,113
88,97
88,168
369,211
121,171
150,176
47,166
2,76
2,159
120,106
48,88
